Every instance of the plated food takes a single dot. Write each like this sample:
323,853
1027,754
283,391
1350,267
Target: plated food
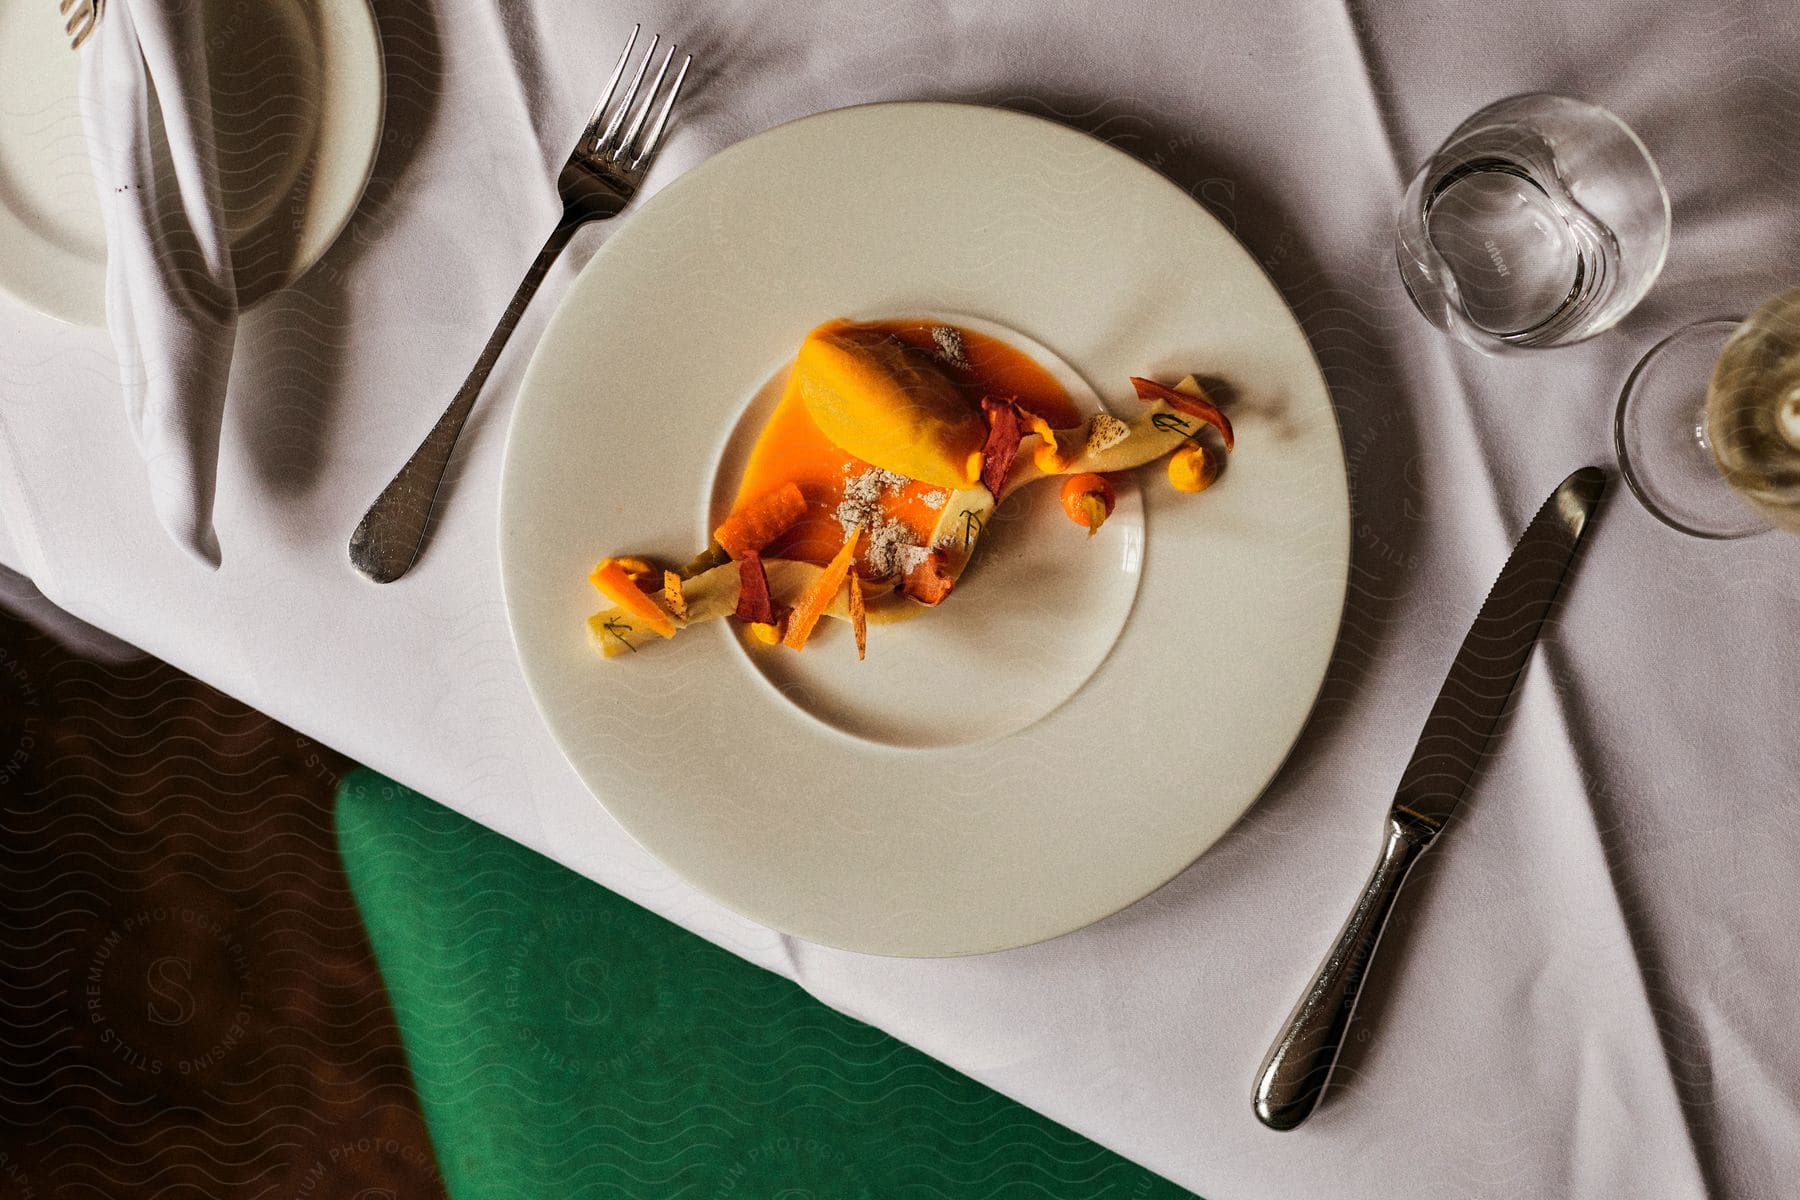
866,493
1082,716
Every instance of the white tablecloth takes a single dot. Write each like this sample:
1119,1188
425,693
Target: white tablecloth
1592,991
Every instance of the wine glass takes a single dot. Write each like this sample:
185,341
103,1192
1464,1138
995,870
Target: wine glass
1708,427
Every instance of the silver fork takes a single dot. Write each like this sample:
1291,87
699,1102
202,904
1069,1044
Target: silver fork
599,180
84,16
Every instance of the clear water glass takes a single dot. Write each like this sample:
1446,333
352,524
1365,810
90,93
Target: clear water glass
1542,221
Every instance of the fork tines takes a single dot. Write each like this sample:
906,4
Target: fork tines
83,18
632,148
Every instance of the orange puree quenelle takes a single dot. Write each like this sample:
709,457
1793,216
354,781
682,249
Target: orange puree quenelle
793,448
866,491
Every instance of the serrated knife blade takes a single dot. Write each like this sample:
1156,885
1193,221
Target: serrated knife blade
1450,749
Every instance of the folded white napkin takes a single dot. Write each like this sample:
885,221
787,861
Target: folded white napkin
171,299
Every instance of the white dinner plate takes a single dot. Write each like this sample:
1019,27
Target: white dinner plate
1081,719
298,96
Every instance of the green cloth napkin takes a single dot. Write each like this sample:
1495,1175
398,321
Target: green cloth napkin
567,1043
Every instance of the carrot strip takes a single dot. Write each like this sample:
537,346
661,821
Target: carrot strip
1198,407
760,521
859,617
812,605
612,580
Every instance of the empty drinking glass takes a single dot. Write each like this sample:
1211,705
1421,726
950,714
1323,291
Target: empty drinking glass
1541,221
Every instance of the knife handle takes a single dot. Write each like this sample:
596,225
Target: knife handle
1298,1066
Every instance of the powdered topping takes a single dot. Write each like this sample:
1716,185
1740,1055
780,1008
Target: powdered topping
890,547
909,556
950,345
1106,431
875,482
935,500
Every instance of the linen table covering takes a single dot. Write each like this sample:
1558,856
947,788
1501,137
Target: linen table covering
1591,990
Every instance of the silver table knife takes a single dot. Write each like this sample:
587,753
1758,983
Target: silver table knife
1456,735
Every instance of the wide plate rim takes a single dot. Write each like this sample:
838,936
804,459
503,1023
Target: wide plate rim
811,931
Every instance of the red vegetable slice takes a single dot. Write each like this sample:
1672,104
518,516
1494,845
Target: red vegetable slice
1200,409
1002,446
753,591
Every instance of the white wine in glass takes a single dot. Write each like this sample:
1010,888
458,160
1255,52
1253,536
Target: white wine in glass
1753,411
1708,429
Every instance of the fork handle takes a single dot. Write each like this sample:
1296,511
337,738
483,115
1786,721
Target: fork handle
387,540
